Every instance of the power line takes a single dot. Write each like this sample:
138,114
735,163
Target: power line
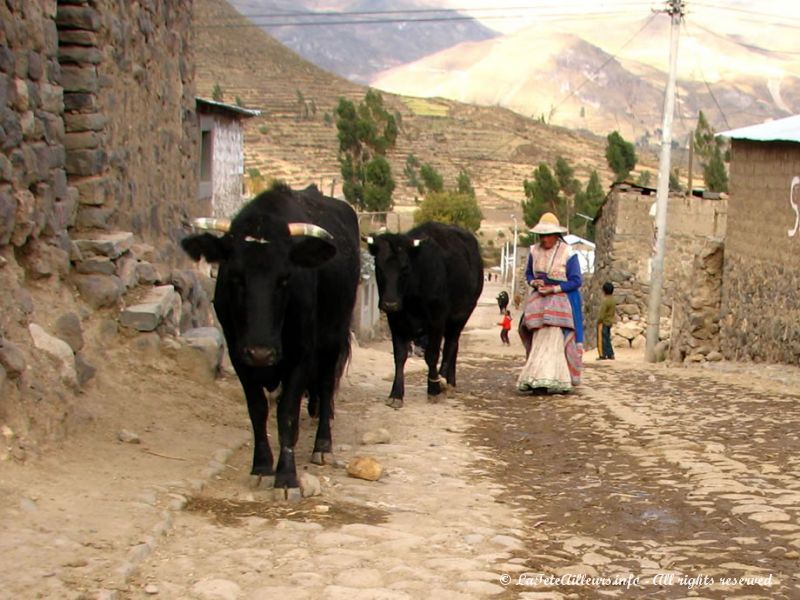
699,64
590,77
331,19
752,47
527,9
779,20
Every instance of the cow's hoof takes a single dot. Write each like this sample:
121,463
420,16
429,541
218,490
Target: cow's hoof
394,403
258,482
262,470
287,494
322,458
434,399
286,480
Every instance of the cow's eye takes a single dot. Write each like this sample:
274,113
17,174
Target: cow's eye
283,282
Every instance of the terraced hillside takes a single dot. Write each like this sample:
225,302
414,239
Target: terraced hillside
295,139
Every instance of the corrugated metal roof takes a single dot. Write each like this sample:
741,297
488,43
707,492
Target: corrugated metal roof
780,130
234,108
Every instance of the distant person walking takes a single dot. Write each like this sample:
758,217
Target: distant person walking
505,327
605,319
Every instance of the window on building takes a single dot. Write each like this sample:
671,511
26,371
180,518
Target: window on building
206,155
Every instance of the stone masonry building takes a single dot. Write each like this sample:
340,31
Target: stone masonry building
760,305
625,238
99,146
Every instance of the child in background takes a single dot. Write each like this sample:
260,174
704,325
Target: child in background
505,325
605,319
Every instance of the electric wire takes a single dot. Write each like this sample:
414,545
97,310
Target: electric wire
776,19
423,11
708,86
589,78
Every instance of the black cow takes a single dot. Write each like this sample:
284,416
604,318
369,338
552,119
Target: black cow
288,272
429,281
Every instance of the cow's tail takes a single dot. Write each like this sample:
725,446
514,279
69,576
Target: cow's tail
345,352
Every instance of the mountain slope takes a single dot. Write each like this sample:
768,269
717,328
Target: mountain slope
359,52
497,147
587,77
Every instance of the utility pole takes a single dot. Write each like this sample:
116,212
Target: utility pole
691,165
675,9
514,261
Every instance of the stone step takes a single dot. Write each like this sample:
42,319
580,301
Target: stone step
112,244
156,306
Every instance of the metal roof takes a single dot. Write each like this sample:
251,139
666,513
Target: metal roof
780,130
225,107
573,239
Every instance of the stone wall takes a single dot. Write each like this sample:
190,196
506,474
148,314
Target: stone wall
98,166
129,114
760,300
696,308
625,238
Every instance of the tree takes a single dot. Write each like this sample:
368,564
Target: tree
568,185
216,93
451,207
464,184
714,173
432,181
620,155
542,195
710,151
645,177
703,139
365,133
378,185
411,172
588,203
675,182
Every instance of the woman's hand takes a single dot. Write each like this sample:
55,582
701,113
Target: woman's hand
537,283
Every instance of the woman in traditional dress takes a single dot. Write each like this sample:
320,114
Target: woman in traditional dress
552,324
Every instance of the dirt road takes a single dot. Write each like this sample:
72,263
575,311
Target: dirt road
653,481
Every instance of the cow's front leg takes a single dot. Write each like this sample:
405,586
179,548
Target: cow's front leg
400,350
258,409
432,353
288,425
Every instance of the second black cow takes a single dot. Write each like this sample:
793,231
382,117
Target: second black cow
429,281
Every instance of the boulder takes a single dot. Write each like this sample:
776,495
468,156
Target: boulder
365,467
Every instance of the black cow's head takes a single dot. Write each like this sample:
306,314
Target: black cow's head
394,255
262,261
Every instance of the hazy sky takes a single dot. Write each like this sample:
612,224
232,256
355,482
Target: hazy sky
510,15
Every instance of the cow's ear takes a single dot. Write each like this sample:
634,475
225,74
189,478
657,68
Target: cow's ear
310,251
205,245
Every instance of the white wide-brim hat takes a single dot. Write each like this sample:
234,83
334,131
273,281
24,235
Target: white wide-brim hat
548,224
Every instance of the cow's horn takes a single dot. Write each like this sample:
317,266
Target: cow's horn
207,223
369,239
417,243
309,229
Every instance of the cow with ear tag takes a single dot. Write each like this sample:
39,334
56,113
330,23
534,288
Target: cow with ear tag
289,266
429,281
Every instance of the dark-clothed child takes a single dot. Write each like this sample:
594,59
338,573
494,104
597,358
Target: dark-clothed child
605,319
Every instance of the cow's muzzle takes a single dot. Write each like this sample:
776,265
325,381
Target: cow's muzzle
260,356
390,307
